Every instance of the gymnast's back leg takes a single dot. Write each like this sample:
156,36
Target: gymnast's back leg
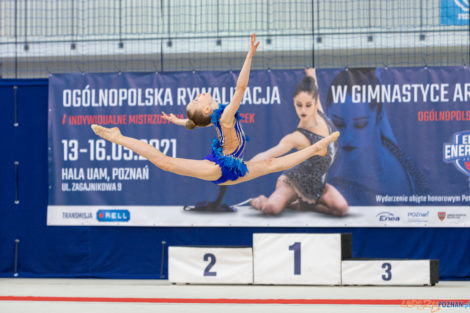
202,169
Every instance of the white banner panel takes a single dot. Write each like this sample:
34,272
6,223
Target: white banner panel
386,272
210,265
135,215
297,259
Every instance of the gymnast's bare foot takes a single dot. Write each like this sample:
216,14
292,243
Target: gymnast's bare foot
111,134
258,202
322,145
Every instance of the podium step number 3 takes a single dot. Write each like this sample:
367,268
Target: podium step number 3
210,265
390,272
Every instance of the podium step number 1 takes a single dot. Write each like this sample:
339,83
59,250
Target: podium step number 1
297,259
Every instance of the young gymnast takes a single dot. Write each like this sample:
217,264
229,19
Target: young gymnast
224,165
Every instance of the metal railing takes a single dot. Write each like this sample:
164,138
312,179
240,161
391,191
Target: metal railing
41,36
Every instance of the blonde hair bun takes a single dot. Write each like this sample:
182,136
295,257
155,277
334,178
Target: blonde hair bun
190,124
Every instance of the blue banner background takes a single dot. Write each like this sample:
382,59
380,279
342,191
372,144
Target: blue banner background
409,163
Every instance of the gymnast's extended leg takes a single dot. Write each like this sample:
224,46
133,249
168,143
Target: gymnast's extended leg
202,169
268,166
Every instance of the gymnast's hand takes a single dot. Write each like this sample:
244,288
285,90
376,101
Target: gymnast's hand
311,72
171,118
111,134
253,45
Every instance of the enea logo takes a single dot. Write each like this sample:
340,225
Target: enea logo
458,152
387,217
113,215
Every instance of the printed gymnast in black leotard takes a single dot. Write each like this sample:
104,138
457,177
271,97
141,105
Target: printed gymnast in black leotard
304,186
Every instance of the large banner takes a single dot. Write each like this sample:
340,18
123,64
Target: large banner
403,157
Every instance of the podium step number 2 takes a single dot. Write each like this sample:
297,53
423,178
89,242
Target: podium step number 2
210,265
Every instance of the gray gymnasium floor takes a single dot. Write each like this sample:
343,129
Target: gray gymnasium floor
116,296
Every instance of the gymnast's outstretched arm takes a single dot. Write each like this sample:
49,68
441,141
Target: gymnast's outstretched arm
228,117
289,142
286,144
313,73
173,119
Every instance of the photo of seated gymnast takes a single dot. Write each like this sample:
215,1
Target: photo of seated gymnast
370,161
224,165
304,186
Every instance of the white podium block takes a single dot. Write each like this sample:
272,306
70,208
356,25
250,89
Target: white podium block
210,265
390,272
298,259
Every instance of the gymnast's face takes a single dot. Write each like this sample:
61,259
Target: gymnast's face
305,106
201,103
358,127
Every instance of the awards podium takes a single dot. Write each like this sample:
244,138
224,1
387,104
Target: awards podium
294,259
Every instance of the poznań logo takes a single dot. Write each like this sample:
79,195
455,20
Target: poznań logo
458,152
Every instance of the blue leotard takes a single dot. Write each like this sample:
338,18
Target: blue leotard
231,165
